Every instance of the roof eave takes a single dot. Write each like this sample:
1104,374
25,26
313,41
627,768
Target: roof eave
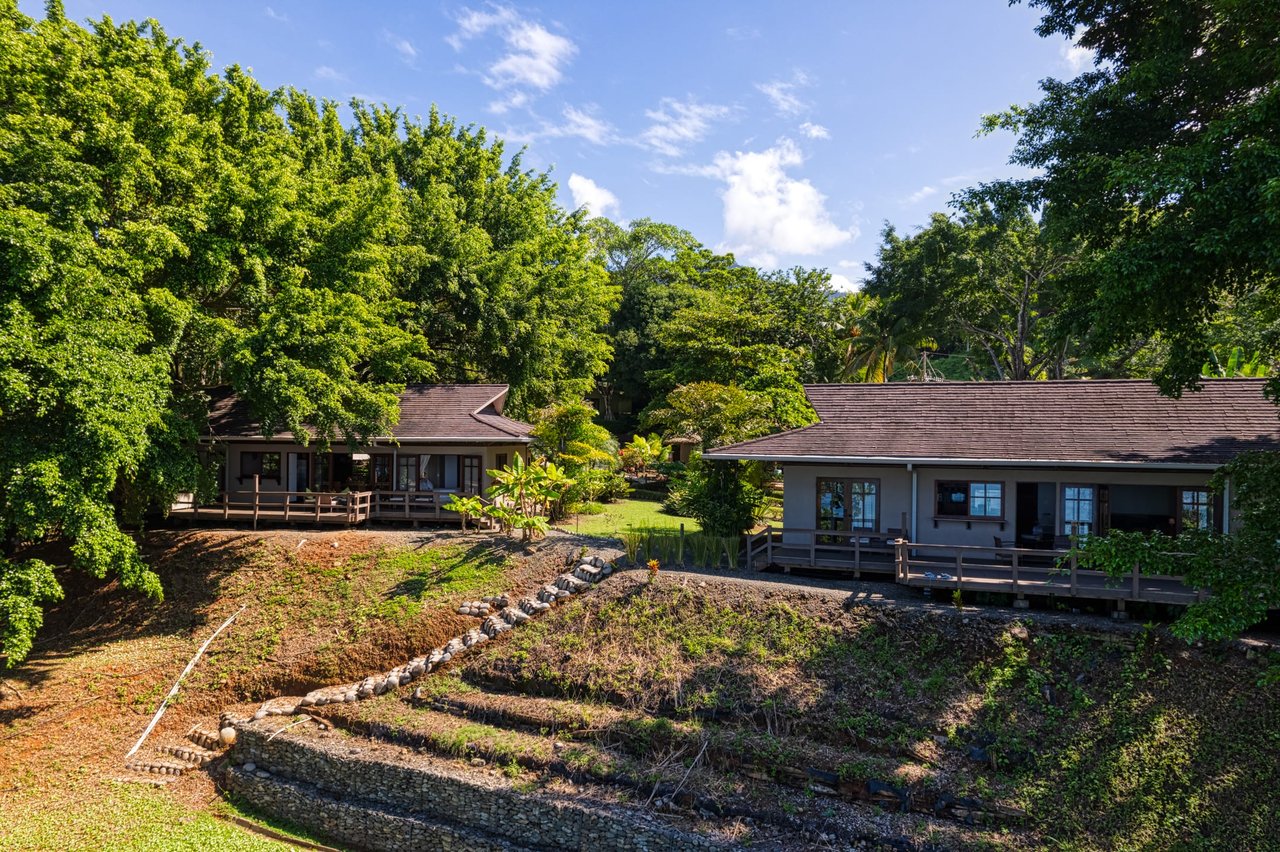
912,460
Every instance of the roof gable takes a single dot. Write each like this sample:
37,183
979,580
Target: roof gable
1080,421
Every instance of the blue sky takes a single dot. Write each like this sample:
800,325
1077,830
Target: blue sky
787,133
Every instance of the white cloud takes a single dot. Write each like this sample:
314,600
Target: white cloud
589,194
580,123
815,131
324,72
920,195
678,124
849,264
783,94
586,126
276,16
535,57
1075,57
767,212
404,47
843,283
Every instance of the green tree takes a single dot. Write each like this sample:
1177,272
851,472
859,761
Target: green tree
165,231
881,344
986,280
567,435
1163,158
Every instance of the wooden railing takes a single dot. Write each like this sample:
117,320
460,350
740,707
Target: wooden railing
1025,571
1016,570
351,507
820,548
420,505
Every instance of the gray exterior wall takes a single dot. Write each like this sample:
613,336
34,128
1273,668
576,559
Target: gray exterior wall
233,450
800,496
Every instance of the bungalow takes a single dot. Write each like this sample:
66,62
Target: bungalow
1005,466
447,439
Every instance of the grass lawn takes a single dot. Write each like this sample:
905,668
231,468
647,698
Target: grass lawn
637,512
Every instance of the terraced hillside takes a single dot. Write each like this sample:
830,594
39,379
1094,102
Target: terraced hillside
785,718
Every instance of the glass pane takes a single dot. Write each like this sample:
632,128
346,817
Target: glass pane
831,504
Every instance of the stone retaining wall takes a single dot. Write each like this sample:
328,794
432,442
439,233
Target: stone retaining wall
374,796
356,825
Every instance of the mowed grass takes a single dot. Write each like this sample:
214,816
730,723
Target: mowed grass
317,610
636,512
136,818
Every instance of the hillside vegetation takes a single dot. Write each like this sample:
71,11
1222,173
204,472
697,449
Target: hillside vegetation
319,608
1065,736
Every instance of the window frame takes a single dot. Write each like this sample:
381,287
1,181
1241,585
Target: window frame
952,485
848,518
1209,505
1094,491
250,471
379,460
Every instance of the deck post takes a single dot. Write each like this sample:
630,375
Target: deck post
813,548
900,559
959,567
857,556
1136,589
287,501
768,545
1075,566
1014,565
680,550
255,501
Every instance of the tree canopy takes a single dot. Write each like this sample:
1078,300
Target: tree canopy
1164,159
165,230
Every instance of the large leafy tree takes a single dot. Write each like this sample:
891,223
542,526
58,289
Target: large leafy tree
165,230
1164,157
986,280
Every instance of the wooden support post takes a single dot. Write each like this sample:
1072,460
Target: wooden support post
1136,588
1075,578
255,501
768,545
1014,566
813,548
287,501
959,567
680,549
318,499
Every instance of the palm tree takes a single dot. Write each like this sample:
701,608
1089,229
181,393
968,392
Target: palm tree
879,341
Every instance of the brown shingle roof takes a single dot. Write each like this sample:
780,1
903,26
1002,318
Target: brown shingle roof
446,412
1091,422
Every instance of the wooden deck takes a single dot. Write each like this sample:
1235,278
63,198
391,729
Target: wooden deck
324,508
840,551
1010,570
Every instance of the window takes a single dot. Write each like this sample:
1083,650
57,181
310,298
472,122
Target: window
1195,509
500,461
471,474
381,467
1078,504
848,504
263,465
406,473
971,499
